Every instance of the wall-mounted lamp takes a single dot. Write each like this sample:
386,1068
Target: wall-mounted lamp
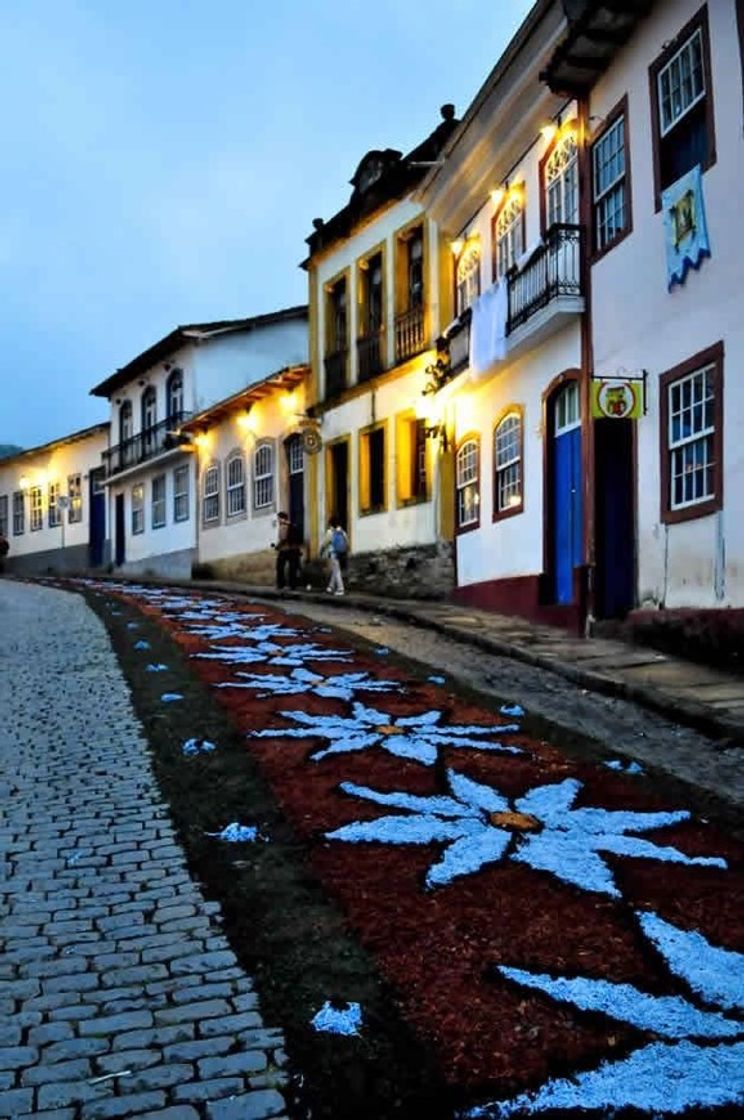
457,246
23,482
497,196
437,431
548,131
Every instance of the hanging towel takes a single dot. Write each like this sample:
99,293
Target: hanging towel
686,241
488,328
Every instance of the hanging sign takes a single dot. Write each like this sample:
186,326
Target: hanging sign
617,398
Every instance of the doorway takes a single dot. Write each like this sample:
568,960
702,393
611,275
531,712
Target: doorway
296,483
565,508
119,526
338,482
97,531
614,517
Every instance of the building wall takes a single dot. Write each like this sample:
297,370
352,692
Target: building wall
638,324
170,549
60,547
225,364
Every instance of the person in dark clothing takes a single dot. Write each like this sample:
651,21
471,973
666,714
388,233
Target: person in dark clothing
287,553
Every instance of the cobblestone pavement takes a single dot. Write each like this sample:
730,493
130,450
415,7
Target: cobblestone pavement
119,995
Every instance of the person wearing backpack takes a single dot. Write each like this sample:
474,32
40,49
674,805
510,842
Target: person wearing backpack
287,547
336,550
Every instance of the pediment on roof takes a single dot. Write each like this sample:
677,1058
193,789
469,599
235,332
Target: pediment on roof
373,166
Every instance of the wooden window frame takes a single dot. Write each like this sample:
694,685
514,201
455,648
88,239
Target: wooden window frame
472,244
184,494
35,509
75,496
405,449
495,275
569,126
262,508
156,503
137,499
619,110
474,438
209,522
18,512
54,511
235,488
712,355
4,515
511,511
698,21
366,509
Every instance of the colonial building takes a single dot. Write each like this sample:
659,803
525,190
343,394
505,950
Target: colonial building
250,464
53,506
378,300
150,475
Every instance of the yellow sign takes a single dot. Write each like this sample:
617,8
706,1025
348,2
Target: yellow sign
615,399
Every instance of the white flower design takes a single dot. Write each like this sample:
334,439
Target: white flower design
293,654
416,737
479,825
662,1077
342,686
217,632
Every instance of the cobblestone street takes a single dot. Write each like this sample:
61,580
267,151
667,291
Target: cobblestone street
119,995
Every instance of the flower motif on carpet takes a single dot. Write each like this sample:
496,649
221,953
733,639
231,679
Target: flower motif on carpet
343,686
294,654
415,737
478,825
217,632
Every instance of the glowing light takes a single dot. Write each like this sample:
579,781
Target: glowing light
457,246
23,482
201,439
497,196
548,131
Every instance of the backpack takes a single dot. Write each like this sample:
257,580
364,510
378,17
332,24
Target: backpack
339,543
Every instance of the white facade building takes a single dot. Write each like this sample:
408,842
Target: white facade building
150,474
53,506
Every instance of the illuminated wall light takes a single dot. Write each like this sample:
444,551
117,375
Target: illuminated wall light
23,482
201,439
548,131
457,246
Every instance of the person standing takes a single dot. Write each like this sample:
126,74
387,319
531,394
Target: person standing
335,548
287,553
4,550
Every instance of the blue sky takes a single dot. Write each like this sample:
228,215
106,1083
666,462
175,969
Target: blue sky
162,162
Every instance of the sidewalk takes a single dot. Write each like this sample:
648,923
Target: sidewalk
708,700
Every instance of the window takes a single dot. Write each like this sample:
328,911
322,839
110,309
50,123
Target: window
19,516
410,439
567,408
181,494
610,182
4,515
149,419
467,483
415,269
211,508
507,458
372,470
295,455
507,234
75,498
468,276
126,430
372,294
138,509
55,513
336,337
158,502
36,518
263,476
561,180
682,105
692,436
174,394
235,475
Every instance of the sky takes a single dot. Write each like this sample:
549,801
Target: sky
162,162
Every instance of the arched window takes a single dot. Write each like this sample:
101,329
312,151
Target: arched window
149,408
508,233
125,422
263,476
561,181
507,460
467,481
235,485
211,494
174,395
468,275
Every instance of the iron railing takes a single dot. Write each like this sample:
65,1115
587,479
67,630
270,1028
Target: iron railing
335,372
409,334
370,355
554,269
145,445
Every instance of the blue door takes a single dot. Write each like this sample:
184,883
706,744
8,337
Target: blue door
567,507
97,499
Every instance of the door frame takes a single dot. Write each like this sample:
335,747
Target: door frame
547,405
330,487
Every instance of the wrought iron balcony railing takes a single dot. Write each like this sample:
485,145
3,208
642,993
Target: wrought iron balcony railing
554,269
370,355
335,372
145,445
409,334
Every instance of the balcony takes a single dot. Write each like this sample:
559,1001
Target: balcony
370,355
145,445
409,334
335,372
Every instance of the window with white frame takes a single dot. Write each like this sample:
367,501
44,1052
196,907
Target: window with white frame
467,481
692,413
561,179
158,502
611,203
174,395
19,514
296,455
55,513
263,476
508,234
507,457
681,83
181,494
567,408
211,504
3,515
138,509
468,275
36,509
75,498
235,480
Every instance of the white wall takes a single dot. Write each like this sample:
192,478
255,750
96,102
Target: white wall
225,364
174,537
638,324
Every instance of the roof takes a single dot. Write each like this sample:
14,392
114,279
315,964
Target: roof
188,333
383,175
74,437
597,30
286,378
